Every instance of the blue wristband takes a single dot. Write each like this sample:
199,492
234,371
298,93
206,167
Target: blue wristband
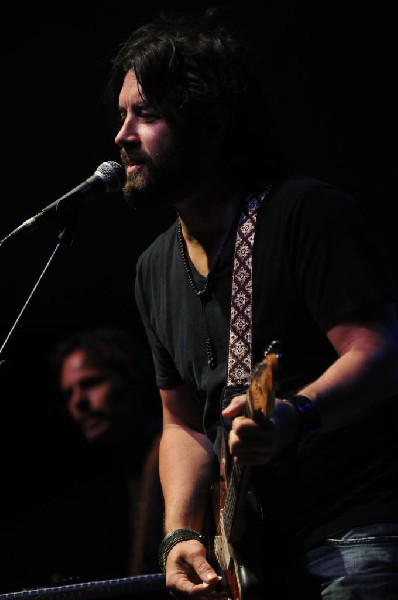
308,417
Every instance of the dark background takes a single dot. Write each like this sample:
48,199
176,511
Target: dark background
333,76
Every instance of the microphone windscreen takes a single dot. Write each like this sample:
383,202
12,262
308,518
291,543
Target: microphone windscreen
112,174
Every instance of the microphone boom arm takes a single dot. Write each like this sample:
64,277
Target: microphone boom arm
108,177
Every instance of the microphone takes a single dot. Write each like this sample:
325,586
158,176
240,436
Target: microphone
108,177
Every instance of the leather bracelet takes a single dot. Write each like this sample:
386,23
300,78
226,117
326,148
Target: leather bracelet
309,421
175,537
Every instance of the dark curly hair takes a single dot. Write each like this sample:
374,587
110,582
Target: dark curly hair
196,63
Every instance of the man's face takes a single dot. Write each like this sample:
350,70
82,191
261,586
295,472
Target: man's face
160,166
95,398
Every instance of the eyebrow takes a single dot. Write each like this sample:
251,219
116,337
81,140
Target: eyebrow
86,382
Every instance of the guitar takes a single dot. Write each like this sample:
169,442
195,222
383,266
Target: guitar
111,588
233,500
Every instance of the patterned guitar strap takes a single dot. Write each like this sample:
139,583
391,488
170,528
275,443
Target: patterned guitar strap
240,332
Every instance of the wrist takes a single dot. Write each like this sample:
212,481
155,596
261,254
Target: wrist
308,420
175,537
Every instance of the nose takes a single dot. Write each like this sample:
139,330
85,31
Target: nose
128,132
79,400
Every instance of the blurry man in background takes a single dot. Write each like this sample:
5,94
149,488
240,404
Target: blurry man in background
105,377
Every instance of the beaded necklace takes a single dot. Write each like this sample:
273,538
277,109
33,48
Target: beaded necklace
237,364
203,294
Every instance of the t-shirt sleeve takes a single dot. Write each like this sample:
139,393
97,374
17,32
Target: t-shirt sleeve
167,375
339,261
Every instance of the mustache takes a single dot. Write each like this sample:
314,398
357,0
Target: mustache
131,158
92,414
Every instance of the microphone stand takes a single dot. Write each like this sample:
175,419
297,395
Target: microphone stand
65,236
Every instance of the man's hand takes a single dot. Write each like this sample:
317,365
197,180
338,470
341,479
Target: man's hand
189,575
256,442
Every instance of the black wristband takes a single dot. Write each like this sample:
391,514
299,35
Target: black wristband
173,538
308,417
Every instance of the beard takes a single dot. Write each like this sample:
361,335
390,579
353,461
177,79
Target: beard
164,180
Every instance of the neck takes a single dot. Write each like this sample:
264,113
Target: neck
205,226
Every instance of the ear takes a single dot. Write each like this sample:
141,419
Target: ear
216,127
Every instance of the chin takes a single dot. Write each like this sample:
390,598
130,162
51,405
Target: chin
97,434
134,195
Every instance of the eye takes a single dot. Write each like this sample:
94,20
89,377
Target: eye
88,383
151,116
92,382
147,114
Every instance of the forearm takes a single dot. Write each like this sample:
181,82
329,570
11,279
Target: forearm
187,466
363,377
353,386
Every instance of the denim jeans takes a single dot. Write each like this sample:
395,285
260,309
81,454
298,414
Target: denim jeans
361,564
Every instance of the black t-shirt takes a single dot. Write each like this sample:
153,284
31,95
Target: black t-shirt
315,263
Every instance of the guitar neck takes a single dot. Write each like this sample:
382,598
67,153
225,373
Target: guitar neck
260,402
242,581
111,588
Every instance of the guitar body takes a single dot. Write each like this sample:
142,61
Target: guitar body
238,511
242,582
231,557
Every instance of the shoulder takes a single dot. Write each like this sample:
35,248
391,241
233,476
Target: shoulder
308,198
298,188
159,250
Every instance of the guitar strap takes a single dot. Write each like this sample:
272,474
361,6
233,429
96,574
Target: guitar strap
240,332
